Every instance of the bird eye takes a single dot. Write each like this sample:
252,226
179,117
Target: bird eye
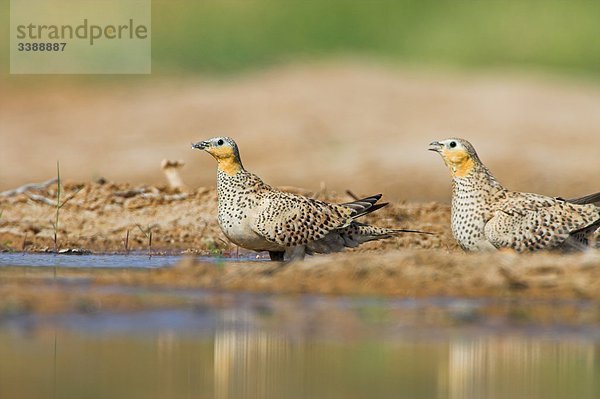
220,142
452,144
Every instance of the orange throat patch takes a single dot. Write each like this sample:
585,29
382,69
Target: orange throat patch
227,160
459,162
463,168
229,165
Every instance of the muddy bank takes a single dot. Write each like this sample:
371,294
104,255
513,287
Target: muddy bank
120,217
405,273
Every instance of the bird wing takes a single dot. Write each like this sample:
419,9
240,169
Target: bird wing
289,219
588,199
525,221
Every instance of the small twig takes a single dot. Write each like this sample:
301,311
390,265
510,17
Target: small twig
148,234
27,187
129,193
127,241
24,241
175,197
41,198
171,197
150,245
144,232
351,194
58,184
70,197
48,201
142,192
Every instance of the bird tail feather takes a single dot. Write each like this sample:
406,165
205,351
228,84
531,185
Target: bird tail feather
588,199
364,206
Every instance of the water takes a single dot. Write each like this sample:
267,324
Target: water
133,260
240,345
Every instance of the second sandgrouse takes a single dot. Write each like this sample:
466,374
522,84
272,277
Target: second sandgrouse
485,215
259,217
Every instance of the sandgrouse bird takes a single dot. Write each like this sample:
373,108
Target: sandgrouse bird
256,216
485,215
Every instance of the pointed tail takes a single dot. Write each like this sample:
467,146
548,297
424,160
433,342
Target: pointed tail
364,206
399,231
588,199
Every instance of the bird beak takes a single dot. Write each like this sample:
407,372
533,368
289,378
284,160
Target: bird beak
201,145
435,146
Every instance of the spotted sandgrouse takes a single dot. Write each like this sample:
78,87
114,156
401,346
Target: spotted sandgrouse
485,215
256,216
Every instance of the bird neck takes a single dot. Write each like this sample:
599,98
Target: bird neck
476,175
462,168
229,165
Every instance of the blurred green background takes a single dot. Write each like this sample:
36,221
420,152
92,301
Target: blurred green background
218,36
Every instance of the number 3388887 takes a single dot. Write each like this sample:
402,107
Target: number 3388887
41,46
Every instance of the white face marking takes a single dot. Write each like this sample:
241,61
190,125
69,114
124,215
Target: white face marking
452,144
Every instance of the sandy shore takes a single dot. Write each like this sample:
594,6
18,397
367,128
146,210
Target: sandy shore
99,217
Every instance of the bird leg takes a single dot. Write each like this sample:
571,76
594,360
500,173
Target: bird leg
276,256
295,253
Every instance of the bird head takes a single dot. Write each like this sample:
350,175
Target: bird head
458,154
225,151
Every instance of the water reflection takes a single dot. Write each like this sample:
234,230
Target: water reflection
252,362
297,348
248,362
498,367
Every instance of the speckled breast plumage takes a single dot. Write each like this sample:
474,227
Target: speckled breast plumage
470,211
238,198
